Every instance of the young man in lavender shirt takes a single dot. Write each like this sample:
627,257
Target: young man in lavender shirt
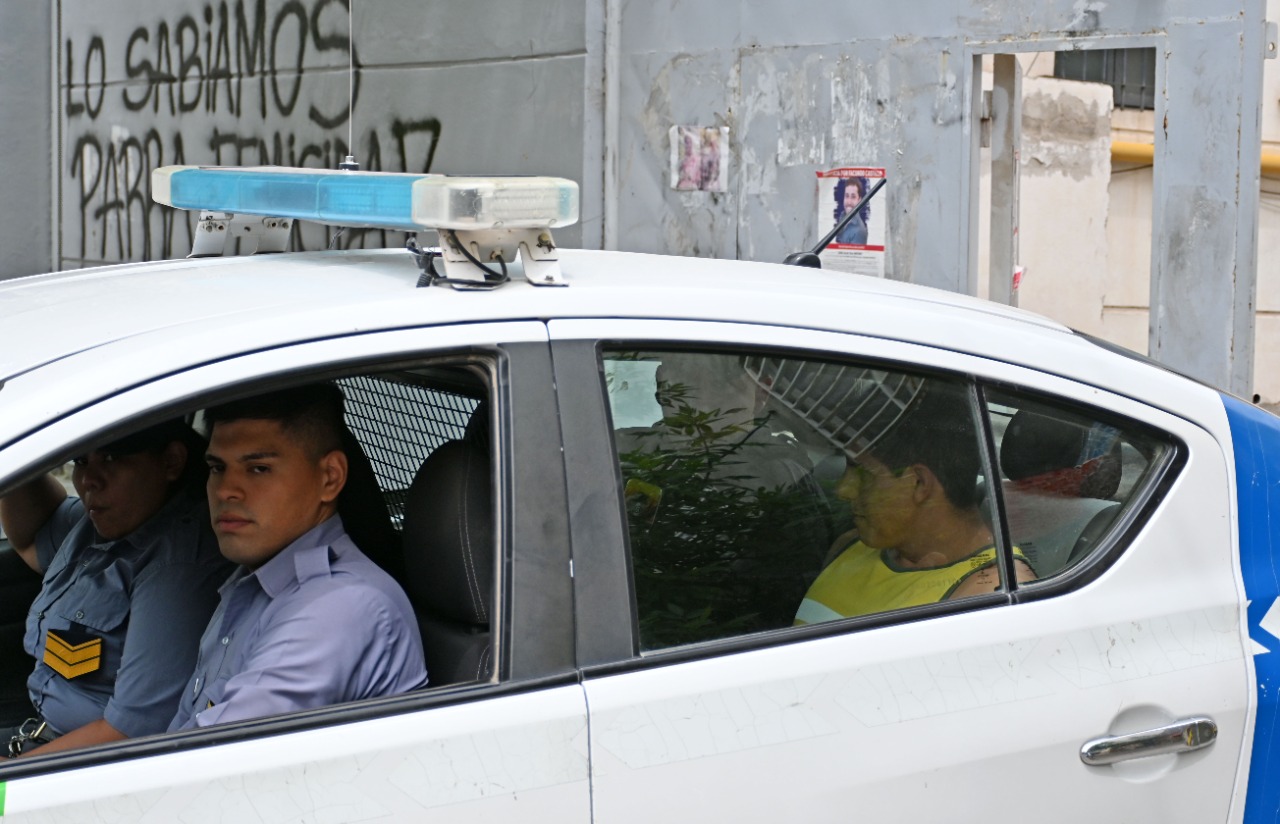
306,620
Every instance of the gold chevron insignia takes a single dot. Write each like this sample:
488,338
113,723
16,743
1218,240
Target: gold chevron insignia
72,659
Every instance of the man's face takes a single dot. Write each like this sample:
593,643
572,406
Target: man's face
851,195
266,489
882,501
120,492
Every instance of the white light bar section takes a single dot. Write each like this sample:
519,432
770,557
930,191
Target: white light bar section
465,203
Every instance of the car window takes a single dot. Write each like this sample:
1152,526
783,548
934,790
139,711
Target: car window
764,492
1066,474
420,458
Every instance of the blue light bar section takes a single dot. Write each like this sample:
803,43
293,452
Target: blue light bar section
375,200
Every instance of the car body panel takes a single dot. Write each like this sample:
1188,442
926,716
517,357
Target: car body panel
1256,448
973,714
498,759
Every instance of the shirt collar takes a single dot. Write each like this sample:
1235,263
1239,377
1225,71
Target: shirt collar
307,557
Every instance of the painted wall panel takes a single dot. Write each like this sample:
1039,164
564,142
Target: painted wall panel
26,189
267,82
591,89
414,33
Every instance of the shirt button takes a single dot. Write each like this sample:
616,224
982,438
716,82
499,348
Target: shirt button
79,614
226,639
40,615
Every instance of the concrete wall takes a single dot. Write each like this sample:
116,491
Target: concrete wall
895,87
491,87
590,89
26,187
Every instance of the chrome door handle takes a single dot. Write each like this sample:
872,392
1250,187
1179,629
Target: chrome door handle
1181,736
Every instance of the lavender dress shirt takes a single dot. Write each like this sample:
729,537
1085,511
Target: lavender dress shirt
318,624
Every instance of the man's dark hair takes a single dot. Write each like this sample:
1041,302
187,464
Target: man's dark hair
937,431
311,414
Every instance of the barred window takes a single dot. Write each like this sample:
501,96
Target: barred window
1131,73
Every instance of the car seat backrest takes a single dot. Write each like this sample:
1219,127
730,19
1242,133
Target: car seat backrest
449,558
364,511
1061,474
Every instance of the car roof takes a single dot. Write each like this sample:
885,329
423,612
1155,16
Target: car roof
80,336
297,295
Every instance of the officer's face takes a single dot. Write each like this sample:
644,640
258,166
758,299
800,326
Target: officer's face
882,501
266,488
121,492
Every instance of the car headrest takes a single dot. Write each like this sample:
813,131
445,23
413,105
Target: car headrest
448,534
1057,455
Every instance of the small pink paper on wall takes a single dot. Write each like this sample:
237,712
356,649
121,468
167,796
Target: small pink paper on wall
699,158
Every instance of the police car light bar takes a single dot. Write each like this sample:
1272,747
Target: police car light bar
493,217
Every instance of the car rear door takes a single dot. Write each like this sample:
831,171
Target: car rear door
967,711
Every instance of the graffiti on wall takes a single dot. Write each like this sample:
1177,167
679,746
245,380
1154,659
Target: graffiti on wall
244,82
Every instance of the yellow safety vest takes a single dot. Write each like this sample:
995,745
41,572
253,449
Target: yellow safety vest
861,581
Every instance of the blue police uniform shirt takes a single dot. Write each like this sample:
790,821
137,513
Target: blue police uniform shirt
147,596
318,624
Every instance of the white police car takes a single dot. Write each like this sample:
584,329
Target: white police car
609,485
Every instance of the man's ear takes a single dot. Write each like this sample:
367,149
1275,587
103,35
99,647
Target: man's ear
927,484
174,459
333,467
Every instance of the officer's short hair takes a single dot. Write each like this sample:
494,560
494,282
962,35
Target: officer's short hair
312,414
152,439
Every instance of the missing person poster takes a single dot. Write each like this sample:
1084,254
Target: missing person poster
859,246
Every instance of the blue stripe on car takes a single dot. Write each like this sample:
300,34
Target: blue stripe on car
1256,438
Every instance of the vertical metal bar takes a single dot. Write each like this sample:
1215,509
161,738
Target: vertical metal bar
612,118
59,140
1121,76
995,488
971,212
1006,141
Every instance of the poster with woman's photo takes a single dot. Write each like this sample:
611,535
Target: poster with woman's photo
859,246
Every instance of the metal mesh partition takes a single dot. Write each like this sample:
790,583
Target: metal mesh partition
399,424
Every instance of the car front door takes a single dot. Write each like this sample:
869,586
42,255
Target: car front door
970,710
507,742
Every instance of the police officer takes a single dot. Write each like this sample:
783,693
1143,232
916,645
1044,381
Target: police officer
131,570
307,619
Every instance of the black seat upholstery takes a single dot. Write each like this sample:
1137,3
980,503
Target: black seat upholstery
364,511
1056,449
1058,496
449,552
